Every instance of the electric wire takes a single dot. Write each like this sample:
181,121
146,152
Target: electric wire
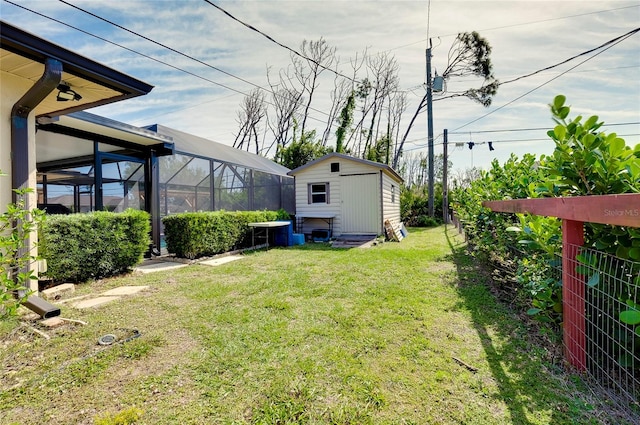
158,61
519,25
533,128
608,46
614,40
208,65
284,46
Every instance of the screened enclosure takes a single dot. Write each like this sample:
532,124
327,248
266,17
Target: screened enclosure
88,163
207,176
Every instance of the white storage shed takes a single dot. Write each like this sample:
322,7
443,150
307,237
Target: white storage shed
347,195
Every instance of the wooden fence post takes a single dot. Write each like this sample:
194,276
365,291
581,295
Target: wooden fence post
573,301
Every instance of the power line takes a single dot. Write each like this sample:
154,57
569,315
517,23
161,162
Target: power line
268,37
155,60
181,54
520,24
609,45
573,57
533,128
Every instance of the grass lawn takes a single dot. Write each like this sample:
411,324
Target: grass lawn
396,334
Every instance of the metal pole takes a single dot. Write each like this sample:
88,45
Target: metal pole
445,189
430,130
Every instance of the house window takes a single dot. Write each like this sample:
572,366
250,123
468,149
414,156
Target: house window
318,193
393,194
335,167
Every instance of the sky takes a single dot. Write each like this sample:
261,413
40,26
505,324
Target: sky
525,36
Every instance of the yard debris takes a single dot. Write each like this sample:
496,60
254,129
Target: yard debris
73,320
34,330
467,366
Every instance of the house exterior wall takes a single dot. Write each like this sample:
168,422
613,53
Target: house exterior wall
380,202
390,200
319,173
11,90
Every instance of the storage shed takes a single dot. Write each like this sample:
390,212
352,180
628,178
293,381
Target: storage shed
346,196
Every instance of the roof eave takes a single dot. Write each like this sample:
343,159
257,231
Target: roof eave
31,46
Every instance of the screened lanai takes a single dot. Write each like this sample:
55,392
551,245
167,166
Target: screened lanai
87,163
204,175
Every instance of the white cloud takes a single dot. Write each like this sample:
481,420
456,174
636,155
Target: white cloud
525,36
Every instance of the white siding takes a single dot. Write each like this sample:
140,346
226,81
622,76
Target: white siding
379,204
361,203
319,173
390,203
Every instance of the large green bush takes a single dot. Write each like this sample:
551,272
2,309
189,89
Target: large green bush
198,234
80,247
414,206
584,162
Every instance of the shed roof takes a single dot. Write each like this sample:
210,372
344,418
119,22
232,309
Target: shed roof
333,155
23,55
195,145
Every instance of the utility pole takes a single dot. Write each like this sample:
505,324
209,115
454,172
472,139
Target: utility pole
430,130
445,189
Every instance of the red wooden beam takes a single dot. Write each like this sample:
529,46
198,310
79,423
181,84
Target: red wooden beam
573,303
618,210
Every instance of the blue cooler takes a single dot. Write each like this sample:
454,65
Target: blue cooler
283,235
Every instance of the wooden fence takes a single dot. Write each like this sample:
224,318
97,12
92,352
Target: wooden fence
618,210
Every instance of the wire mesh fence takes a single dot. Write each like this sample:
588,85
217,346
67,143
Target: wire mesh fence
602,317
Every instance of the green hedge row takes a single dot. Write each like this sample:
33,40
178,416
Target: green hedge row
198,234
80,247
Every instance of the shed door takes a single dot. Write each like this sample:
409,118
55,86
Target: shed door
360,203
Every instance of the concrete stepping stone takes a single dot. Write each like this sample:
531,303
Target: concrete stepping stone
125,290
221,260
94,302
158,266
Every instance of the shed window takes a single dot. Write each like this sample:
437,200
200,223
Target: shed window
393,194
318,193
335,167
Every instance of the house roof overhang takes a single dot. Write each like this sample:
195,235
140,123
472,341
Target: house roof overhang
23,54
84,128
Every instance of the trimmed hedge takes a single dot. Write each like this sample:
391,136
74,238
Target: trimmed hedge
80,247
198,234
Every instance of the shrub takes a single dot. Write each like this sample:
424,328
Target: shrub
427,221
80,247
198,234
16,223
585,161
414,207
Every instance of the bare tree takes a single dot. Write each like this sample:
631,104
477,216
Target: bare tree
339,95
319,56
397,107
384,69
286,101
252,111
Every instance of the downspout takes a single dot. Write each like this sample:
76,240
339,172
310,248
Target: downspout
20,158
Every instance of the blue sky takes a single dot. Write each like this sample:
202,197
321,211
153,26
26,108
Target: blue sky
525,36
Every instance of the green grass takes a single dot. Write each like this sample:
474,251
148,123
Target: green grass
301,335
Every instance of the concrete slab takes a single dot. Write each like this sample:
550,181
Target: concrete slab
125,290
151,266
52,322
59,291
94,302
72,300
221,260
359,242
